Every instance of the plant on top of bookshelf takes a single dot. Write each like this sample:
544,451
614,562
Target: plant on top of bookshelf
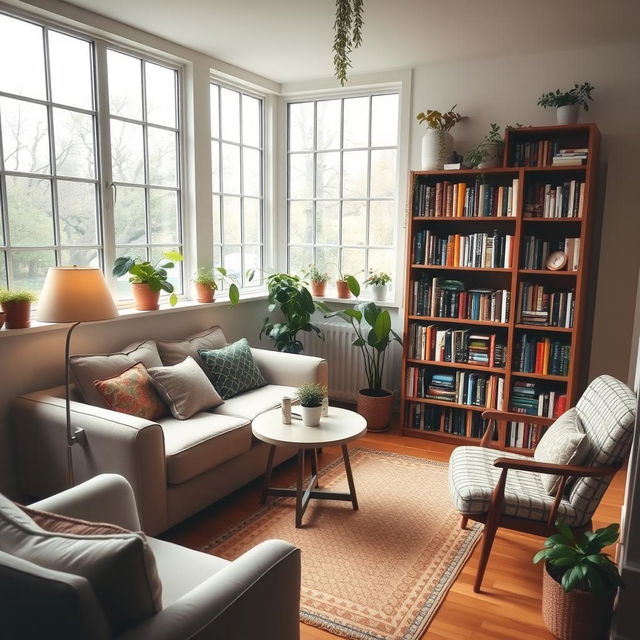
487,154
437,142
568,102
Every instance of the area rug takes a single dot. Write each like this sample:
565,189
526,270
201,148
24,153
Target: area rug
378,573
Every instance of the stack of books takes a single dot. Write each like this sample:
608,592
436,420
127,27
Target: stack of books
442,387
570,157
542,355
527,398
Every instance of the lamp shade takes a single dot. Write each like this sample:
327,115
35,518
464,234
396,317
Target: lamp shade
75,294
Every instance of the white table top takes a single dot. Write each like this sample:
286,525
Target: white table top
340,426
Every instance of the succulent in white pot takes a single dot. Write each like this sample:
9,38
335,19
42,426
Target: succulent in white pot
437,142
377,282
310,396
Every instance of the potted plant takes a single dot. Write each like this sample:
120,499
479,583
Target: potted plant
374,334
378,281
206,283
289,296
147,280
437,142
317,279
346,285
16,306
310,395
579,584
568,102
487,154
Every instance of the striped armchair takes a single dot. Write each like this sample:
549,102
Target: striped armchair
507,490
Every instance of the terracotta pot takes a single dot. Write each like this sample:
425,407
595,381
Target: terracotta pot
318,288
342,289
146,299
17,315
375,409
576,615
2,315
204,293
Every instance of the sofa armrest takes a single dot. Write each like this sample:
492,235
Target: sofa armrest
105,498
256,596
290,369
115,443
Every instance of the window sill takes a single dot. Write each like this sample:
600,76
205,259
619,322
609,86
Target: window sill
390,304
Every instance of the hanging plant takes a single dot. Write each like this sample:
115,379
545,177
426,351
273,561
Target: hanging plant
348,35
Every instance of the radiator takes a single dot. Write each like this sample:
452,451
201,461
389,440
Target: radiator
346,366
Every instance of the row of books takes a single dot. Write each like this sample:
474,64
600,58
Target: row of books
527,397
429,417
522,435
564,200
440,298
570,157
461,387
540,306
481,250
535,251
443,344
542,355
542,153
462,200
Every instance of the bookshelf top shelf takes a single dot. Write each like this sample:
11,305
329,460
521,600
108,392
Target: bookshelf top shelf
512,172
466,218
443,267
482,323
550,220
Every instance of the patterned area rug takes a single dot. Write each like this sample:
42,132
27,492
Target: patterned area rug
379,573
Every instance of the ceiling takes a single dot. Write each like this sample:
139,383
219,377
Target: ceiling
290,40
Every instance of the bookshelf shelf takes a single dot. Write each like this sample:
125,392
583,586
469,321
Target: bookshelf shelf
440,200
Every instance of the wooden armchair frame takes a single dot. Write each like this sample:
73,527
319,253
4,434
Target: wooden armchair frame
494,517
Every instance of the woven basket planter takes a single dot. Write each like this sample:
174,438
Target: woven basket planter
576,615
376,410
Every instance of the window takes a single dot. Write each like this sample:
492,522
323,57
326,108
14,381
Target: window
342,176
237,183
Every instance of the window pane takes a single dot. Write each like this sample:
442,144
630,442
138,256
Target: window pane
356,122
127,152
383,173
301,175
163,158
160,94
4,283
301,126
354,222
231,220
232,261
215,166
252,258
384,121
125,85
230,168
25,136
70,61
328,175
381,217
163,216
30,268
353,263
328,124
354,174
252,221
327,260
251,121
21,44
74,147
230,108
80,258
328,223
299,259
217,229
251,172
382,260
30,211
301,222
130,217
214,97
175,273
77,212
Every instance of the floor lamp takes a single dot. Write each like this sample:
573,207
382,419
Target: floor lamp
74,294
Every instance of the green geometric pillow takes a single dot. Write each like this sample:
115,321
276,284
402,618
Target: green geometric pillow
232,369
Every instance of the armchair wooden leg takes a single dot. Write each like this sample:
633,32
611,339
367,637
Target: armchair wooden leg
463,522
488,536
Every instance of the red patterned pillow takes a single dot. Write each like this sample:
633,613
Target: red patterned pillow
132,392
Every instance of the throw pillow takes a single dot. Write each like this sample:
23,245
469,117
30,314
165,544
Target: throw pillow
232,369
86,369
175,351
120,567
185,388
56,523
132,392
562,443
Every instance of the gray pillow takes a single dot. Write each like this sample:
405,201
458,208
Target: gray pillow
185,388
564,442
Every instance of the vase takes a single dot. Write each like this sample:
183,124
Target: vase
318,288
342,289
378,292
311,416
568,114
437,146
375,407
17,314
146,299
204,293
493,155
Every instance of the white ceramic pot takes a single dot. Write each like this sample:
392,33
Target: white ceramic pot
311,416
378,292
493,156
568,114
436,148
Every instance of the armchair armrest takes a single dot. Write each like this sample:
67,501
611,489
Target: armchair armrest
553,469
290,369
265,580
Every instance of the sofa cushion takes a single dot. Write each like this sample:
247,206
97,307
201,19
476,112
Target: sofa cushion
202,443
86,369
185,388
252,403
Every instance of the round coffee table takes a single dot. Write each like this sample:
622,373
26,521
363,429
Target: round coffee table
338,428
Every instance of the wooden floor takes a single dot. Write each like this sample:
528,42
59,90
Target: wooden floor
509,606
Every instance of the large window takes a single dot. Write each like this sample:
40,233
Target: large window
237,182
342,176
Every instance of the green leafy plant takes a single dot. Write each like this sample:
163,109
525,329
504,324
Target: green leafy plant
580,564
217,276
377,278
311,394
580,94
352,282
313,273
374,334
347,35
440,121
144,272
17,295
289,296
479,153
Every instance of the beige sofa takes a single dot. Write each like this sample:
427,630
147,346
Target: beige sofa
175,467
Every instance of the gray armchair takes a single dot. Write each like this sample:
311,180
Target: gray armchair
204,597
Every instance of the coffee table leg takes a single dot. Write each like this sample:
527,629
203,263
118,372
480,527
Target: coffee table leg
267,474
347,466
314,466
299,488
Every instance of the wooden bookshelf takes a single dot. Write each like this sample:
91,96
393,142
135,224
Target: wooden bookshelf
450,263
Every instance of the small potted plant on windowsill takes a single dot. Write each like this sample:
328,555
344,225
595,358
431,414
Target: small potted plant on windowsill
16,306
377,282
310,395
437,142
347,285
206,283
568,102
317,279
148,280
